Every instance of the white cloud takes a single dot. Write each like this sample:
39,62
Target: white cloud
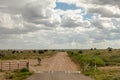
105,11
106,8
5,20
73,18
36,24
69,1
41,13
107,2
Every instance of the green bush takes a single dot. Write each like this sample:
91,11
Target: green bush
97,52
80,51
41,52
24,70
18,74
92,59
88,62
111,78
9,76
89,59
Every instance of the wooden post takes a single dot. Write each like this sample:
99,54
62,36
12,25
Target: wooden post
95,68
18,65
1,67
9,66
27,65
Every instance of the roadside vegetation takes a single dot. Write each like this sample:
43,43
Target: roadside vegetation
18,74
9,55
25,54
94,63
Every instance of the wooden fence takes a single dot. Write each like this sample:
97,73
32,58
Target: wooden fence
5,66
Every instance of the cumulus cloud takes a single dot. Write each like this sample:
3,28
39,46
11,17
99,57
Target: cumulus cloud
14,24
72,18
107,2
41,13
102,23
106,8
9,21
37,24
104,29
105,11
12,6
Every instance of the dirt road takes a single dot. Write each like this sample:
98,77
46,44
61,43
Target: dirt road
58,67
59,62
58,75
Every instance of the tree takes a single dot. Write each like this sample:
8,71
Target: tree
80,52
109,49
95,48
40,52
91,49
13,52
34,51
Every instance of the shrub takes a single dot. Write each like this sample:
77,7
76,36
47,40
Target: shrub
18,74
91,49
111,78
40,52
97,52
34,51
99,61
80,52
24,70
90,59
88,62
9,76
95,48
45,50
70,53
13,52
109,49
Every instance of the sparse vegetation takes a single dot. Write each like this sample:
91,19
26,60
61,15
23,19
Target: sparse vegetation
6,55
24,54
18,74
91,61
109,49
80,52
41,52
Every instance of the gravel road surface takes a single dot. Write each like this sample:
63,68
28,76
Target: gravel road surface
58,67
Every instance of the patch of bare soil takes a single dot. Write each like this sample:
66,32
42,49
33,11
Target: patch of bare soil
2,76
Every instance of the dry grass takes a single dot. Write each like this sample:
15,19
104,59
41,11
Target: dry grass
111,69
22,55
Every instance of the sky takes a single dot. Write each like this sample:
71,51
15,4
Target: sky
59,24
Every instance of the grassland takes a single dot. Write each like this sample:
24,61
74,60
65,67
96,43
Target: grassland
99,64
16,55
25,54
18,74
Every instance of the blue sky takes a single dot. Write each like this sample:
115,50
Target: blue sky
65,6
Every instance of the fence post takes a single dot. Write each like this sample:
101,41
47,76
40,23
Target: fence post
18,64
9,66
27,65
1,67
